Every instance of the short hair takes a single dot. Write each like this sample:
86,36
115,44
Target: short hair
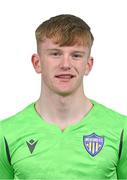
65,30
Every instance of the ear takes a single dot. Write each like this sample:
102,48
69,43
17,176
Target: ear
89,65
35,59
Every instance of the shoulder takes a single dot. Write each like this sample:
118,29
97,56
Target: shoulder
16,119
109,114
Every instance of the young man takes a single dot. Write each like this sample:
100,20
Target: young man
64,135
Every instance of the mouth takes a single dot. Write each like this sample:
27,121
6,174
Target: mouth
65,76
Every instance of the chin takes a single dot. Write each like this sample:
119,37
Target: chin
65,92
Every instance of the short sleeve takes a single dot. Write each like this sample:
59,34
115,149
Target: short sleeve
122,164
6,170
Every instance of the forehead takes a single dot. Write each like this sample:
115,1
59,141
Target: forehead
48,44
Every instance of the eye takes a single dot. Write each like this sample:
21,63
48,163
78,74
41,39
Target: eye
55,54
77,56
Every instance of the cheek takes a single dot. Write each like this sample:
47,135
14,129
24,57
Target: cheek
84,67
81,68
47,72
45,68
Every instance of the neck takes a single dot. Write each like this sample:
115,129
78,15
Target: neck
62,110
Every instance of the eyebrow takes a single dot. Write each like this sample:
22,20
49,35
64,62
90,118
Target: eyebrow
74,51
53,49
81,52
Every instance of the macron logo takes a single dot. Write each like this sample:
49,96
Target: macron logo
31,145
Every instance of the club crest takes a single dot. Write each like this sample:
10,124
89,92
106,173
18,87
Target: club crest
93,143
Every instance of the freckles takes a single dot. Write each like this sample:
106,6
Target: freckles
76,70
80,68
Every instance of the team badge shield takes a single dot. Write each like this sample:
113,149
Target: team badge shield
93,143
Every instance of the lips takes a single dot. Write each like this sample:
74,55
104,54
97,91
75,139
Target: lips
65,76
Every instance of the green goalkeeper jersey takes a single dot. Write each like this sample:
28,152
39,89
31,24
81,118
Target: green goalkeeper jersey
94,148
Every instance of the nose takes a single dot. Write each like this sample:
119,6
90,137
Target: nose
65,63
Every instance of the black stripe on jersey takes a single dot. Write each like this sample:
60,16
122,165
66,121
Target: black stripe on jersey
7,151
121,143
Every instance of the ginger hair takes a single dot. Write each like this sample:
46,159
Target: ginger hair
65,30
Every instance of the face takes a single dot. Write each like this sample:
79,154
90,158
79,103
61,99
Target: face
62,68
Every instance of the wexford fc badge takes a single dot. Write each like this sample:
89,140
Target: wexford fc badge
93,143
